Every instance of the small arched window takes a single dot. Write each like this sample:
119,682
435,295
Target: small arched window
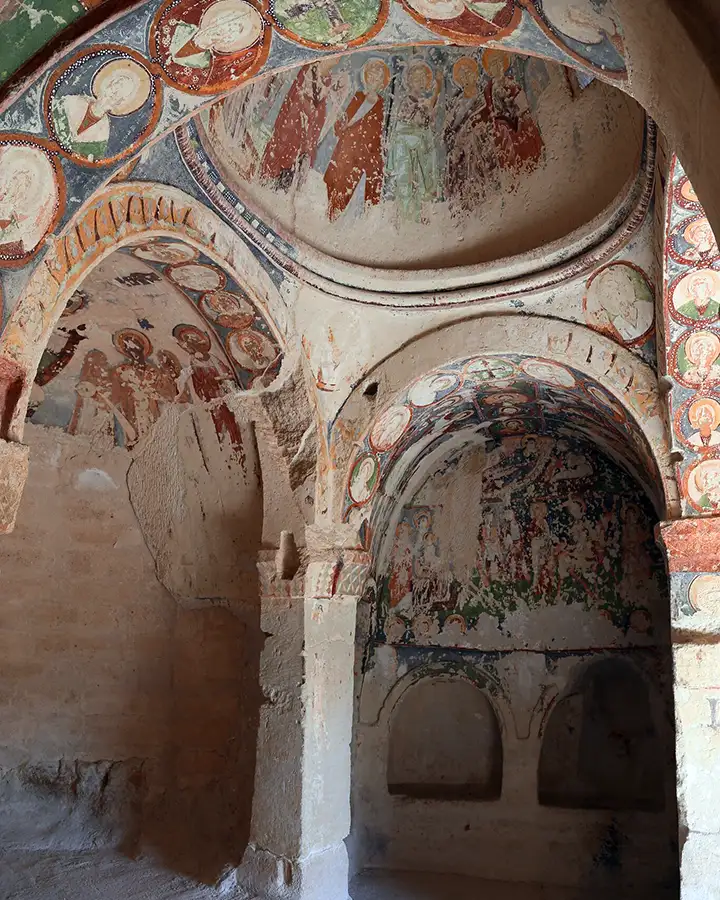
600,749
445,743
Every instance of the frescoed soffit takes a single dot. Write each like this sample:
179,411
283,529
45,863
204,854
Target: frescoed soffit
154,324
66,130
489,398
419,158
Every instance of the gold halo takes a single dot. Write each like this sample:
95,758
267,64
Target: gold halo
224,11
128,67
704,401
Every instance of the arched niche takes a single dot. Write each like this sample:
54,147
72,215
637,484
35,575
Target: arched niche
445,743
601,748
136,216
427,401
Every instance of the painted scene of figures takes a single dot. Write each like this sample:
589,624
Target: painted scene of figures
548,522
130,343
412,137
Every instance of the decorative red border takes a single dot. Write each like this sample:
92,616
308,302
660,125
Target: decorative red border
51,151
686,478
217,87
554,37
638,341
672,359
465,38
112,51
383,11
356,462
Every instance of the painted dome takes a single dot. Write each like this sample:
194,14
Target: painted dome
424,158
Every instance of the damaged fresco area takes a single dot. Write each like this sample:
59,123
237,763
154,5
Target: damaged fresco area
550,524
154,325
414,138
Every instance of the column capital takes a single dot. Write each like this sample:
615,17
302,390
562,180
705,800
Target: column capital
13,475
328,541
691,545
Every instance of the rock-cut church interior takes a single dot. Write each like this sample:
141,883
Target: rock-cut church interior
359,450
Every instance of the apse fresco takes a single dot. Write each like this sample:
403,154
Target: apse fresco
493,398
435,137
547,523
155,324
692,328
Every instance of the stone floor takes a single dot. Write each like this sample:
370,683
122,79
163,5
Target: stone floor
111,876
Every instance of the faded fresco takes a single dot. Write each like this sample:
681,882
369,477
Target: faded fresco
139,336
547,522
494,397
692,320
401,126
435,137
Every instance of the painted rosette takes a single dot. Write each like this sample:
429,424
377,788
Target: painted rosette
102,105
701,485
464,21
547,372
364,478
328,24
693,243
32,196
196,277
428,390
694,297
619,302
697,424
390,427
589,31
209,46
685,195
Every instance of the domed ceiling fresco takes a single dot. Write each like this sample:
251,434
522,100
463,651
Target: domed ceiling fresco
423,157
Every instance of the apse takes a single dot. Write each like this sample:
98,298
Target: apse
516,664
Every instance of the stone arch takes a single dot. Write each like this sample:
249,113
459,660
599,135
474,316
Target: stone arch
116,217
633,76
629,382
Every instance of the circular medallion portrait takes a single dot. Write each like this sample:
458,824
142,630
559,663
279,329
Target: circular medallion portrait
620,304
431,388
32,196
171,253
685,195
492,369
251,350
606,401
102,105
390,427
695,297
328,23
206,47
548,372
702,486
196,277
364,477
587,30
471,22
693,241
228,309
704,594
697,423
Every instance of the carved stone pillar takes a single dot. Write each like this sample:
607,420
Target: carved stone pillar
301,807
13,475
692,549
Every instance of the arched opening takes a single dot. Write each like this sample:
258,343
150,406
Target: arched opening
137,555
601,748
513,546
445,743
